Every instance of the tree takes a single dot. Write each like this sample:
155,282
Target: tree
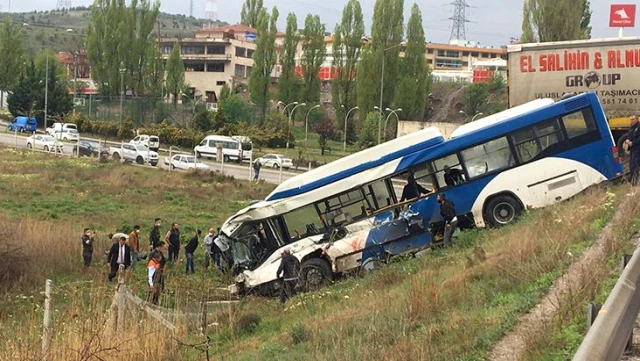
386,32
369,130
175,74
313,54
555,20
347,45
28,95
411,94
288,82
264,58
119,37
250,13
12,54
202,121
224,93
326,131
236,110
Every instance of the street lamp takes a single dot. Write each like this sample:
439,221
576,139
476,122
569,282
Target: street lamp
290,115
382,87
46,91
391,111
474,117
280,102
121,93
306,121
344,143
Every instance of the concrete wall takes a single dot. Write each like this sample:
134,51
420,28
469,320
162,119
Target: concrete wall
405,127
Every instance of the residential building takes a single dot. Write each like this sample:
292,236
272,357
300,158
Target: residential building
214,57
76,65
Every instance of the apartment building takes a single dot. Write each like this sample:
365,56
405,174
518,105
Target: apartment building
214,57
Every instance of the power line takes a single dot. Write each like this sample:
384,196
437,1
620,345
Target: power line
458,29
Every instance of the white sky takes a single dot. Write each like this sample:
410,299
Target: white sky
492,22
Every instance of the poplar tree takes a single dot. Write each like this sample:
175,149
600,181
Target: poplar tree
250,13
555,20
313,55
347,47
386,37
288,83
12,54
264,58
411,94
175,74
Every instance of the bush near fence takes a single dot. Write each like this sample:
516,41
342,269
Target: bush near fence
272,134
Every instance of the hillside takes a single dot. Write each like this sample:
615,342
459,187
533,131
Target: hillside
65,30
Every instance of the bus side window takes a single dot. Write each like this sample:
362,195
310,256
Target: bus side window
579,123
301,222
488,157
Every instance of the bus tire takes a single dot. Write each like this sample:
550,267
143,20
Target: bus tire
315,273
621,152
502,210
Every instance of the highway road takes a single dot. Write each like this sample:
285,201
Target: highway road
239,171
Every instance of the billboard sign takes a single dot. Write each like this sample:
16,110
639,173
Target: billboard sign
622,16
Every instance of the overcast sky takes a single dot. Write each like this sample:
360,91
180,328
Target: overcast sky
492,22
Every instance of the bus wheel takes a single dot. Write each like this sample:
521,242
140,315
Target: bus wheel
502,210
315,273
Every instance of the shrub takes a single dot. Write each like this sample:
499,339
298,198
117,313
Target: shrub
299,334
248,322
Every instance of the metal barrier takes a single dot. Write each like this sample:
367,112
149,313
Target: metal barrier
607,338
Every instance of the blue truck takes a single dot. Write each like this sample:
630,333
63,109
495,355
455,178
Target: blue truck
23,124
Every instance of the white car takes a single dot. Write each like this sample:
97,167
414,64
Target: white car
64,131
151,141
186,162
44,142
276,161
134,153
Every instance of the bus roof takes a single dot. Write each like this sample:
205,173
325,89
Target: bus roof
358,162
501,117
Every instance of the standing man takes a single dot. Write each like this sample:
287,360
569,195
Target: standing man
154,236
633,144
154,277
448,212
173,239
120,254
208,250
134,244
288,269
87,246
190,249
256,169
412,189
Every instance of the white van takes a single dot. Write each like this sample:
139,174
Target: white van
232,148
151,141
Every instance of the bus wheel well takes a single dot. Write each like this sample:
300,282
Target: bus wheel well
507,198
316,254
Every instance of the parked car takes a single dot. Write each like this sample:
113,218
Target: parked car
232,148
64,131
151,141
23,124
276,161
90,149
44,142
186,162
134,153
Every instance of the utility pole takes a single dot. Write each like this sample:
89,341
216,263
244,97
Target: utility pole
46,90
75,80
458,29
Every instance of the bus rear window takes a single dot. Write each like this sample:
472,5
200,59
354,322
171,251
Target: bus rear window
580,122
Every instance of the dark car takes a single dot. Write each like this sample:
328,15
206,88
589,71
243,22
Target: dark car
90,149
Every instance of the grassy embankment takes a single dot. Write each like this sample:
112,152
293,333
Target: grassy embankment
450,304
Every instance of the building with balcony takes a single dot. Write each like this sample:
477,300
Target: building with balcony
214,57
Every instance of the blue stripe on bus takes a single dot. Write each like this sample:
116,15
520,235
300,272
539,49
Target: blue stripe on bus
355,170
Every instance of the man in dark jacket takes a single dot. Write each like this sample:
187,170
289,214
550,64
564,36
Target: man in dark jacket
190,249
154,236
448,212
120,254
173,239
87,246
412,189
633,144
289,270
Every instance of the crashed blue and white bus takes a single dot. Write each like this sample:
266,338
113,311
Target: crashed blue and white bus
347,215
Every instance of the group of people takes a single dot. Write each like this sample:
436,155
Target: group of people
126,252
632,143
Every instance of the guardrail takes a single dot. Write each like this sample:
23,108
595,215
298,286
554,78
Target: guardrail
609,334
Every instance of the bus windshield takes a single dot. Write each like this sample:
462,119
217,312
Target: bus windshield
253,242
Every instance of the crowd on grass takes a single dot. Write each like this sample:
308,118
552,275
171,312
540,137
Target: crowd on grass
126,251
